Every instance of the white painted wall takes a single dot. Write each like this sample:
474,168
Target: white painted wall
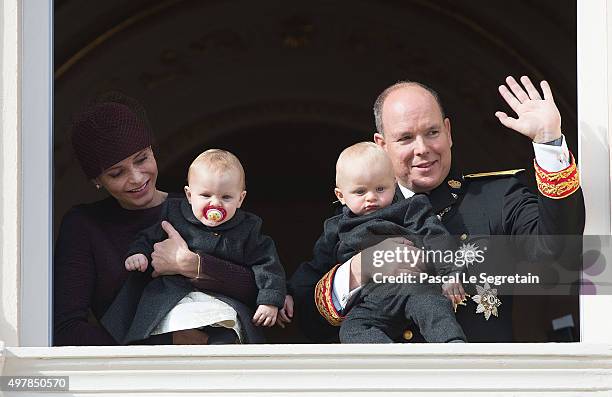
9,171
594,122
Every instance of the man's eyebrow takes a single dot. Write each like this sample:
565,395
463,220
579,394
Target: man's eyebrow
400,134
430,127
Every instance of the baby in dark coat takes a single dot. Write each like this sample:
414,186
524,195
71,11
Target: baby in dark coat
365,184
210,220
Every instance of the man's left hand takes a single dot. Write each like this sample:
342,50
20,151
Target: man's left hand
538,118
172,256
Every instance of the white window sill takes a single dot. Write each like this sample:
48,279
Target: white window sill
435,369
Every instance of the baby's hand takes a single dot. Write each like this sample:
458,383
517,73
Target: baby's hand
265,315
454,292
136,262
286,313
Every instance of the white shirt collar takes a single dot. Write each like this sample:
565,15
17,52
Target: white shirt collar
405,191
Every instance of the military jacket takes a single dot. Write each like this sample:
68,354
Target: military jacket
471,205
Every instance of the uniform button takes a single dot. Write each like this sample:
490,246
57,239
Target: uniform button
408,334
463,237
216,234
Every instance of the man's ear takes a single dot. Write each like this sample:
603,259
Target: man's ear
242,196
379,139
188,193
447,124
340,196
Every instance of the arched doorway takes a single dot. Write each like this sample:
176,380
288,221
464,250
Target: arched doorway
286,87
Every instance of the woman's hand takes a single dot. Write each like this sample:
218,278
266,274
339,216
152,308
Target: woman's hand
172,256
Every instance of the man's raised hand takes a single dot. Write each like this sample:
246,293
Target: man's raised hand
538,118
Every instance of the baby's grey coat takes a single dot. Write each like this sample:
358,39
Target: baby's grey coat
238,240
388,306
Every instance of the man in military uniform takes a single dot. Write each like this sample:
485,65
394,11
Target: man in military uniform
415,133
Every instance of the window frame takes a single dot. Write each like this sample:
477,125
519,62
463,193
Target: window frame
36,78
35,167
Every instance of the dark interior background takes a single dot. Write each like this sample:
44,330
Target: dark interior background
287,85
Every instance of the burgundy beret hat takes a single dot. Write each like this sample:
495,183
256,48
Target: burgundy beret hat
106,133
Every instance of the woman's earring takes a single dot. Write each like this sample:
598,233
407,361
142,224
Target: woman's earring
97,186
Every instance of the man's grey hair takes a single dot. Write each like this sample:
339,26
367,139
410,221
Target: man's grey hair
380,101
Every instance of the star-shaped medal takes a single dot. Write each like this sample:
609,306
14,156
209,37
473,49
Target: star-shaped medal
487,300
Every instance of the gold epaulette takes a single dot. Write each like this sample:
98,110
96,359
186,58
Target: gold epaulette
323,298
494,173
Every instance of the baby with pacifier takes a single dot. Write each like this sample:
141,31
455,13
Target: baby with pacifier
211,222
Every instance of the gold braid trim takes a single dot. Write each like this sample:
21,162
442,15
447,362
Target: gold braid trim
323,298
560,184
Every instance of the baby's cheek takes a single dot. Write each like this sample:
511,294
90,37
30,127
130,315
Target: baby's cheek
197,207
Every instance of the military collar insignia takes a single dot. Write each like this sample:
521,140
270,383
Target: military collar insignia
454,184
442,198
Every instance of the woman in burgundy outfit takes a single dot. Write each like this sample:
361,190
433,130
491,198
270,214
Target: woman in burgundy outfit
112,141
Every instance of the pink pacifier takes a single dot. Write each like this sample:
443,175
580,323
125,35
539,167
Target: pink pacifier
214,214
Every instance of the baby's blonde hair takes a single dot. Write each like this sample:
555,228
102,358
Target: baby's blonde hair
367,153
218,160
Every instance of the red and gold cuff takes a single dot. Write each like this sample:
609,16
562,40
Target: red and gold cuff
323,298
560,184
